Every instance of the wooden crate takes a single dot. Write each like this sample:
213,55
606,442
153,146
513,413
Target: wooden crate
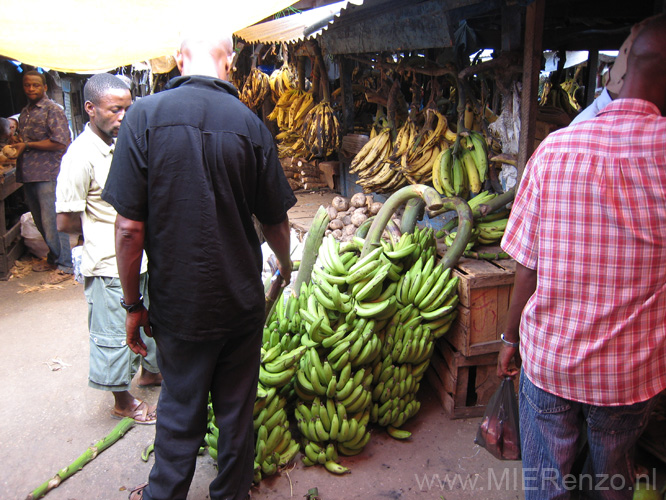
11,242
485,291
11,249
464,385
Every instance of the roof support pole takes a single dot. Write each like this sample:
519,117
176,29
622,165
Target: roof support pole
592,69
532,53
346,68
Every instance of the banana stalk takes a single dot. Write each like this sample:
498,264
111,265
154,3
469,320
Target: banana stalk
464,233
413,213
391,228
90,454
428,194
311,247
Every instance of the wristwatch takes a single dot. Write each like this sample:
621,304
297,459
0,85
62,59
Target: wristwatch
510,344
130,308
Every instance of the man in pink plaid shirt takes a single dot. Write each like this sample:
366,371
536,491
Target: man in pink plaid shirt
588,233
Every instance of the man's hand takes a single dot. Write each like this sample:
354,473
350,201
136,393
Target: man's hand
133,322
285,272
505,367
20,148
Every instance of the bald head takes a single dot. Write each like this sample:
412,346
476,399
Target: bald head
207,55
646,65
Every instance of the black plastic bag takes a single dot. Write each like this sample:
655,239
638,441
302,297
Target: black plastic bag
499,431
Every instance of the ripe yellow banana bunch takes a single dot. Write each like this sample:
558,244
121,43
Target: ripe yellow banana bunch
290,112
281,80
321,130
256,89
280,112
415,151
463,173
372,166
300,107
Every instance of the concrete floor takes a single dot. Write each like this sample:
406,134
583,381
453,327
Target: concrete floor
50,417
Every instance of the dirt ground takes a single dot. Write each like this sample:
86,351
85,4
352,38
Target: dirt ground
49,416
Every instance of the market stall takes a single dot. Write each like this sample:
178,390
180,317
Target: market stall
400,109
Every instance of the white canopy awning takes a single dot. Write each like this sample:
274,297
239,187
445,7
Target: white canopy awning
88,36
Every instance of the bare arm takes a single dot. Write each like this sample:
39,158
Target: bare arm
69,222
524,287
277,237
44,145
130,236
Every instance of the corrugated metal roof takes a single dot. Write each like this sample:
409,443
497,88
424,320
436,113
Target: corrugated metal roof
296,27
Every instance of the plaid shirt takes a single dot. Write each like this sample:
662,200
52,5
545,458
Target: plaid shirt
590,217
37,122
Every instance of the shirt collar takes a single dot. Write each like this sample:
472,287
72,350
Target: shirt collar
41,103
202,81
624,105
97,141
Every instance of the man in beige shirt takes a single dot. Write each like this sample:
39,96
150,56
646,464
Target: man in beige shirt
81,210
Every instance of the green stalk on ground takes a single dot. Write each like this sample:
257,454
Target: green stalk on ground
90,454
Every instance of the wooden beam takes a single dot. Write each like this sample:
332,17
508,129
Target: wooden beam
534,17
346,68
511,21
592,69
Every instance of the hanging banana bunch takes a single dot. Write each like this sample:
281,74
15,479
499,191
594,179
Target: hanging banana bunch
255,90
321,130
290,112
459,173
280,112
372,165
418,153
280,81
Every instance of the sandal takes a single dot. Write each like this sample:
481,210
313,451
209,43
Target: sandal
43,266
56,277
137,493
143,414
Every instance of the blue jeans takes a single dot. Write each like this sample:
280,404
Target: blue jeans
553,429
40,197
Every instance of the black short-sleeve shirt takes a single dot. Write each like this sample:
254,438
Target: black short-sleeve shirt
194,163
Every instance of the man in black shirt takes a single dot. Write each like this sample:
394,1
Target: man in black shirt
192,165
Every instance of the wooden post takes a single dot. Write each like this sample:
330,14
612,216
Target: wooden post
346,68
300,69
534,17
591,84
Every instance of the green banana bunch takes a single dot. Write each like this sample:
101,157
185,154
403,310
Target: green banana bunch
351,349
462,171
492,231
274,444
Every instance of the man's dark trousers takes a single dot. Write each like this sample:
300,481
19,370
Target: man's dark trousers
229,370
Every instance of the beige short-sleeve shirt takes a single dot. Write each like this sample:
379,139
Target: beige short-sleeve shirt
81,180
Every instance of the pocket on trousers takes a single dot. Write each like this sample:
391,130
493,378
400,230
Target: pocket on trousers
542,401
109,358
616,419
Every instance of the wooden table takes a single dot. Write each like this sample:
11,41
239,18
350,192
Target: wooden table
11,243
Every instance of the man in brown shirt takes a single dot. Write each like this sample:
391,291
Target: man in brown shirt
44,130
